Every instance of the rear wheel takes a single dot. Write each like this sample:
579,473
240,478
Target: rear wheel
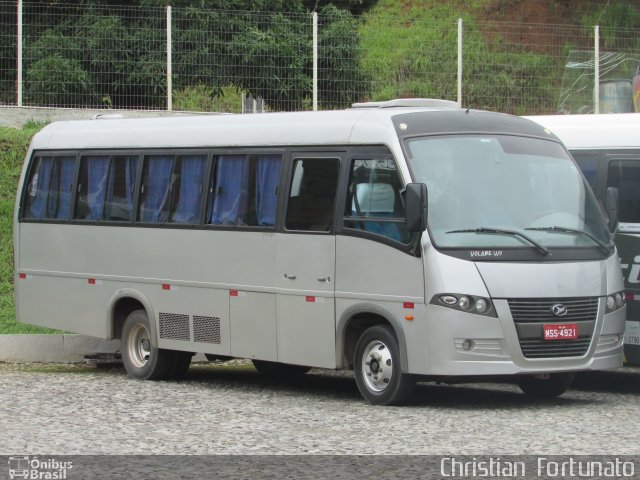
547,386
275,369
141,359
378,368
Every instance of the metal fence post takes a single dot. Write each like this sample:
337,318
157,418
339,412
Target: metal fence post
460,62
169,62
19,60
596,72
315,61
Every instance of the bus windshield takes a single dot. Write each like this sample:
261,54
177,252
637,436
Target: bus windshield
505,191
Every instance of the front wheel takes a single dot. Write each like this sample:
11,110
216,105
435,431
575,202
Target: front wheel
378,368
549,386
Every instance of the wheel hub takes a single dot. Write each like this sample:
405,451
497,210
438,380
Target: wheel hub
377,366
139,346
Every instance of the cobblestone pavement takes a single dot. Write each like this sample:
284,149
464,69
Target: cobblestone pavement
230,409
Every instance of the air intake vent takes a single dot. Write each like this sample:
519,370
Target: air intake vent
409,103
541,309
530,314
537,348
206,329
174,326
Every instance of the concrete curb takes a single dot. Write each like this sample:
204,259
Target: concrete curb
59,348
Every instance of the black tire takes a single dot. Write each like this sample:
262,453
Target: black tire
141,358
213,358
275,369
378,368
551,387
180,365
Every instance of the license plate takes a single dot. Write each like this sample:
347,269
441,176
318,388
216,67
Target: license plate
565,331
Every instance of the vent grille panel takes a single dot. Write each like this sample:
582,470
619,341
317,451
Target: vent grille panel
541,348
539,310
174,326
206,329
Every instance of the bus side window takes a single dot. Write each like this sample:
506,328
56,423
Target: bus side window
106,187
188,189
49,188
157,182
625,176
373,199
245,189
312,194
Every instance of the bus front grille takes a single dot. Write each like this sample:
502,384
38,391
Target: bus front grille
540,348
531,314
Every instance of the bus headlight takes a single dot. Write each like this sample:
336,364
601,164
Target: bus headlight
465,303
481,306
615,301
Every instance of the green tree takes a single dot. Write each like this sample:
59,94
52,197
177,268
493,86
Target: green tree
96,53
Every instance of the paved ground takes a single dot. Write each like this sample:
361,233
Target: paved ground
232,410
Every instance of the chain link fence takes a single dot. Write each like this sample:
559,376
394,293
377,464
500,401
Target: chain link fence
205,60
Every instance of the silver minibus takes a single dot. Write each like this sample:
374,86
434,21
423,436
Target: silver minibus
407,240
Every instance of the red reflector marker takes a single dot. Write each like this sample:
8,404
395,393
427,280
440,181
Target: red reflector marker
91,281
22,275
166,286
233,293
407,305
628,297
310,299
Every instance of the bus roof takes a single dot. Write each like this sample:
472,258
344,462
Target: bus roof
337,127
583,132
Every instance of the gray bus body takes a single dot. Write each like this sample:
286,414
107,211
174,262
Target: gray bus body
607,149
282,238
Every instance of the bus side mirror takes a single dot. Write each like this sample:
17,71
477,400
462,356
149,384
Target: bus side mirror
611,208
416,207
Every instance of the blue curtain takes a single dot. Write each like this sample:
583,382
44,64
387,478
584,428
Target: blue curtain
267,180
97,177
157,186
131,165
130,171
230,191
39,188
119,197
192,172
59,204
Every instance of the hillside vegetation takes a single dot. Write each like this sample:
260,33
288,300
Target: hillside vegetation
409,48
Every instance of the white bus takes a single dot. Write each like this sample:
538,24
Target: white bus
303,240
607,149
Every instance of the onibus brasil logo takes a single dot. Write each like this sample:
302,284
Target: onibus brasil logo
36,469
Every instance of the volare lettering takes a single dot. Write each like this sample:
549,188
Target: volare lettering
485,253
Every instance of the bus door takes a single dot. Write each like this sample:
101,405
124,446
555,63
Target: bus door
624,174
305,306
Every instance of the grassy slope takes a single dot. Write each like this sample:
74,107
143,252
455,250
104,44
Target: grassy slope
13,147
409,49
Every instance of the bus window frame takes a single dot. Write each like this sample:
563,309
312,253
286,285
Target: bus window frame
624,158
32,165
294,154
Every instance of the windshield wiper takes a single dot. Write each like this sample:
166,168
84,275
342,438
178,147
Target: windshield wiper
573,231
498,231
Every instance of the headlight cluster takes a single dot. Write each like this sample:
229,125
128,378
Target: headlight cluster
615,301
465,303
